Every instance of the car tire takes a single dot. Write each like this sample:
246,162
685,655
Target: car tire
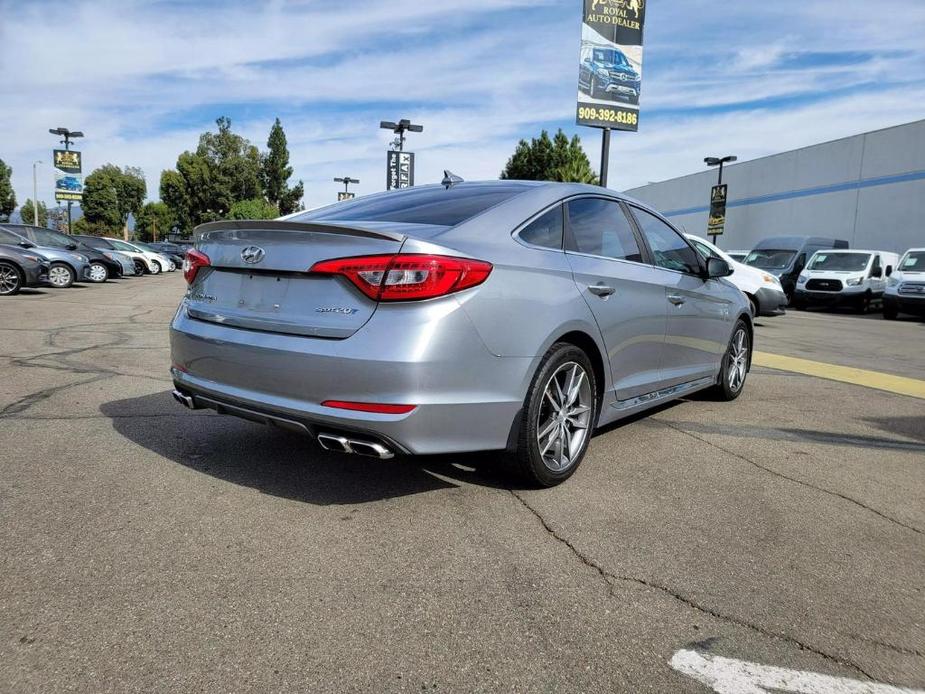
863,305
890,312
61,275
752,305
550,445
11,280
736,361
155,267
99,273
140,267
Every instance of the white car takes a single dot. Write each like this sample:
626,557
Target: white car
905,286
155,262
842,276
763,290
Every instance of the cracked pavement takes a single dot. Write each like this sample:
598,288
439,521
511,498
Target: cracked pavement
145,548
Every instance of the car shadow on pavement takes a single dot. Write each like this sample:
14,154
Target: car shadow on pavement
286,464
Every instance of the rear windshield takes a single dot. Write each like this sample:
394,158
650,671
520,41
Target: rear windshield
845,262
770,259
431,205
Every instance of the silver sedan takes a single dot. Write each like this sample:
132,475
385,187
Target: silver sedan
504,315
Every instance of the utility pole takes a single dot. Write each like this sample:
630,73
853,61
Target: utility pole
35,195
68,135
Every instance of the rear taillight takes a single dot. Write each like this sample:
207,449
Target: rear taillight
192,262
407,277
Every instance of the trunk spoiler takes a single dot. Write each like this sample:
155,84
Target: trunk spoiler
203,230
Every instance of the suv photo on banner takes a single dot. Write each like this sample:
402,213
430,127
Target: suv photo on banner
68,176
610,63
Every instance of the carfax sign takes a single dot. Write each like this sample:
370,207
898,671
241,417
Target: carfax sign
68,176
610,63
399,170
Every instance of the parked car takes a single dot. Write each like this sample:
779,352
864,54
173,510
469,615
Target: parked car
173,251
171,263
498,315
607,73
763,290
145,261
103,264
65,267
21,268
786,256
738,256
841,277
905,286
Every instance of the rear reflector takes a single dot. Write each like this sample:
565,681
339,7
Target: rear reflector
192,262
407,277
378,408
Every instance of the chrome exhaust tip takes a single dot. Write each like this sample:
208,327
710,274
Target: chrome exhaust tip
185,400
341,444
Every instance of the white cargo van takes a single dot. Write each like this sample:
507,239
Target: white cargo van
840,277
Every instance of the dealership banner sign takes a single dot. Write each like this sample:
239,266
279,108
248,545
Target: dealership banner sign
68,177
610,63
399,170
717,221
341,196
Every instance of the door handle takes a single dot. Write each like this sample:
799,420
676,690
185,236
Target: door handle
601,290
676,299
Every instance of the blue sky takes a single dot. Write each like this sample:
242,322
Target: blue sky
143,79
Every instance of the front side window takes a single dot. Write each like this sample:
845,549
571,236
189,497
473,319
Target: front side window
669,248
545,231
47,237
9,237
599,227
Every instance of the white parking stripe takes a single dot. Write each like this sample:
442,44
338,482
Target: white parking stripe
731,676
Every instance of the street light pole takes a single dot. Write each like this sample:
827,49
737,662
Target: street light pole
67,135
719,161
35,195
346,180
605,156
400,128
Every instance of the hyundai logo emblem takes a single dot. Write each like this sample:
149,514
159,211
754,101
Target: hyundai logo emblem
252,254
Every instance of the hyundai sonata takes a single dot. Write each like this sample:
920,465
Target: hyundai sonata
514,316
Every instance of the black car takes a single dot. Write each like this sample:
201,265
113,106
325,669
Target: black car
102,266
171,250
20,268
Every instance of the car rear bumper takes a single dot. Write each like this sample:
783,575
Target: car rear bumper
429,356
771,301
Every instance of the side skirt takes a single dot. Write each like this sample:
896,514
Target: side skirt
622,408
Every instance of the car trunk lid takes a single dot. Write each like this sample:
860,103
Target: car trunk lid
258,277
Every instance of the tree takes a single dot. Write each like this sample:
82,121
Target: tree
545,159
276,173
110,195
7,196
224,169
256,208
27,212
154,221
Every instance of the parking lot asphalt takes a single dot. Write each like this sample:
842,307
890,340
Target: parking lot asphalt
145,548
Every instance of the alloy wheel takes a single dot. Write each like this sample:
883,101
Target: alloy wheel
59,276
738,360
9,279
564,418
155,267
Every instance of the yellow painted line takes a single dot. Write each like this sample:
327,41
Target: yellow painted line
846,374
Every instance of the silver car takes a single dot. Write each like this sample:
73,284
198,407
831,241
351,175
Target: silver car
502,315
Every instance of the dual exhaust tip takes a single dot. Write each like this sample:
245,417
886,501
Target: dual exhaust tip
329,442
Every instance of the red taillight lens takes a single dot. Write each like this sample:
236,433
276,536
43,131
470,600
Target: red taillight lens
407,277
378,408
192,262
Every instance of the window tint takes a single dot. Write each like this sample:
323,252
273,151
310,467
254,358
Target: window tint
431,205
9,237
545,231
670,250
599,227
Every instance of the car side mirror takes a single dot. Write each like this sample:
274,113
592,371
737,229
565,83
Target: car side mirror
26,244
876,272
717,267
72,246
889,270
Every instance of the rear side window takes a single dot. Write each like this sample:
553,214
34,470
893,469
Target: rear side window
546,231
599,227
670,250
